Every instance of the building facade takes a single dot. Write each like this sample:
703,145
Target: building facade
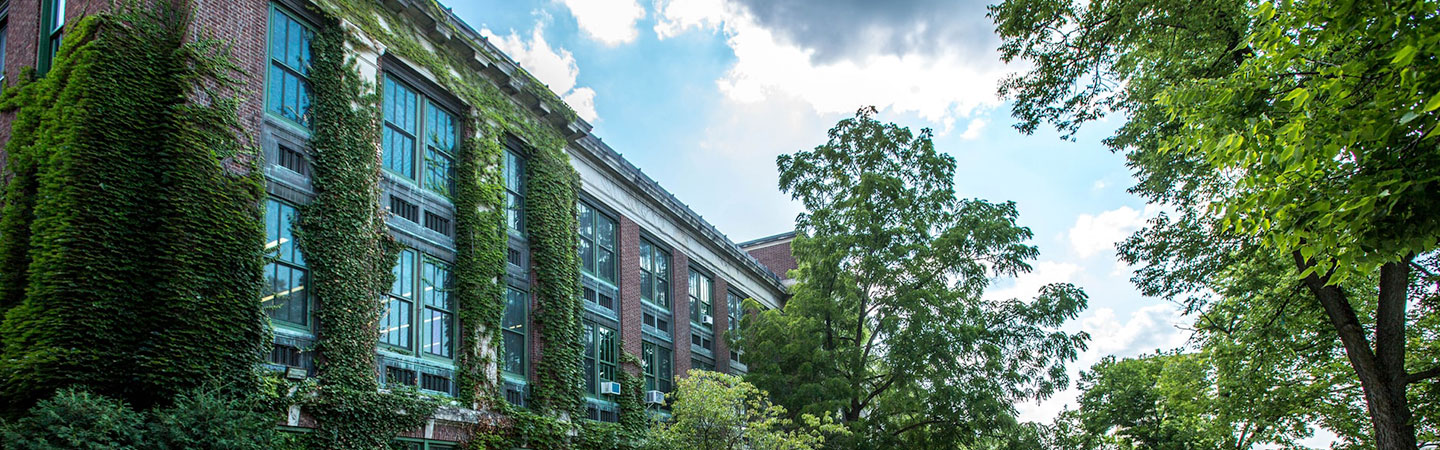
657,281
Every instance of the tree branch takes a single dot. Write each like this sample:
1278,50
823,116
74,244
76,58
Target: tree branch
1422,375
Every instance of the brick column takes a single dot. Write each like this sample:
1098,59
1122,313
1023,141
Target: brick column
628,243
680,309
722,324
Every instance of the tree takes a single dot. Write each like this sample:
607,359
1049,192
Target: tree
1291,132
1171,400
886,324
715,411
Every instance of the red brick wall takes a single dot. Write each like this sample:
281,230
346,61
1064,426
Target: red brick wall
680,307
630,312
776,257
243,25
722,321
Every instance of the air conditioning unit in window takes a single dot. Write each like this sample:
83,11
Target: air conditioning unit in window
654,398
610,387
707,320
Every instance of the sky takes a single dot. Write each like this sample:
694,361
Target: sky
703,95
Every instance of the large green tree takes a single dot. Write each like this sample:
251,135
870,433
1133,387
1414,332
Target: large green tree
887,325
1294,137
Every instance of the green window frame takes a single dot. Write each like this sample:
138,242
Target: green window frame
698,364
597,243
514,357
654,275
410,118
421,289
514,191
52,33
659,366
285,296
601,355
734,309
287,79
702,288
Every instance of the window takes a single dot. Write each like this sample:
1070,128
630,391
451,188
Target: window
597,243
512,325
421,289
655,321
734,310
659,367
702,342
285,298
601,299
700,364
421,444
4,32
700,293
437,310
287,83
600,356
52,27
409,119
514,191
654,275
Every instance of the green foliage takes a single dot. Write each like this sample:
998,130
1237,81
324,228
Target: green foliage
75,419
887,324
1294,140
350,252
715,411
550,215
199,419
139,275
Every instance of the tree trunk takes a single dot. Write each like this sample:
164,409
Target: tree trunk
1381,369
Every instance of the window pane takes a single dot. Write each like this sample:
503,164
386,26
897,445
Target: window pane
395,323
605,261
587,220
513,325
587,255
437,326
605,232
438,168
662,293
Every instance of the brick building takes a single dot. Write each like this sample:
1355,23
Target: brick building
658,281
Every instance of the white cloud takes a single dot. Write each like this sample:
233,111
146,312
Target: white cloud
1151,328
1100,233
1099,184
938,88
972,131
554,67
1027,285
611,22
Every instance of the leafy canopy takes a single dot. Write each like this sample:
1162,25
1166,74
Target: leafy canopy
887,324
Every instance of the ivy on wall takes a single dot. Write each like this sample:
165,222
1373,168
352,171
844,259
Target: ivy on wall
132,256
550,213
343,235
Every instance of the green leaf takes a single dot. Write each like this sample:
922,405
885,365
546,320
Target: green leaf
1434,103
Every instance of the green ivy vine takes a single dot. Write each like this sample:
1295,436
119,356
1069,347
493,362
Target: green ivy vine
342,232
131,254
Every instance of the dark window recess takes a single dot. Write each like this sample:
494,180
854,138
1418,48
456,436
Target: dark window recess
398,376
436,222
293,160
701,341
285,355
404,209
607,301
656,322
514,257
602,414
515,394
434,383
